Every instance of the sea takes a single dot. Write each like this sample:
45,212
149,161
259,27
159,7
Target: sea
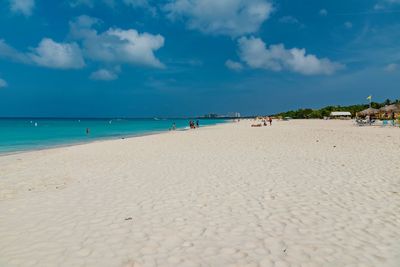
23,134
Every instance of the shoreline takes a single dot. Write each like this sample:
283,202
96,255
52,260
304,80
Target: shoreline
78,143
100,139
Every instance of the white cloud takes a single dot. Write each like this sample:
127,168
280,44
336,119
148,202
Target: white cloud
103,75
57,55
289,20
348,25
3,83
391,67
112,47
24,7
116,45
323,12
47,54
228,17
233,65
255,54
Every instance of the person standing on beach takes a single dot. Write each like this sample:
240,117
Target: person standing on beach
393,118
270,121
197,124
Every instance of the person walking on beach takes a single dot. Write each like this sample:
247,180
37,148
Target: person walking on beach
173,126
270,121
197,124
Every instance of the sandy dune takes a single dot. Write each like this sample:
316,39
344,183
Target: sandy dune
300,193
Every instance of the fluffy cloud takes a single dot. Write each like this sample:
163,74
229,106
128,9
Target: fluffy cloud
3,83
47,54
57,55
24,7
110,48
228,17
104,75
256,54
116,45
233,65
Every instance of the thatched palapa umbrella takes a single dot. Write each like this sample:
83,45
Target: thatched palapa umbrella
368,112
391,108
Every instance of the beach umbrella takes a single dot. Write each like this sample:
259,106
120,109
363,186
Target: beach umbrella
390,108
368,111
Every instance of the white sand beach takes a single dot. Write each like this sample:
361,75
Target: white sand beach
299,193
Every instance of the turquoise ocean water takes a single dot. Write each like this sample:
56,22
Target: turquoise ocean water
30,134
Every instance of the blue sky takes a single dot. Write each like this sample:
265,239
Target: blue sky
138,58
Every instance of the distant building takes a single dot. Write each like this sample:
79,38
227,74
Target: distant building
340,115
229,115
211,116
233,115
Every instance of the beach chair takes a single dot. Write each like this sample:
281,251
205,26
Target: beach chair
387,123
360,122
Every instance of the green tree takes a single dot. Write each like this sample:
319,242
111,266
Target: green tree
308,113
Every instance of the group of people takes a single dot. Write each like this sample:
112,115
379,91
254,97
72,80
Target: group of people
193,124
267,119
264,122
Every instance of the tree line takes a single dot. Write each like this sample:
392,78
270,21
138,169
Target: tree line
308,113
